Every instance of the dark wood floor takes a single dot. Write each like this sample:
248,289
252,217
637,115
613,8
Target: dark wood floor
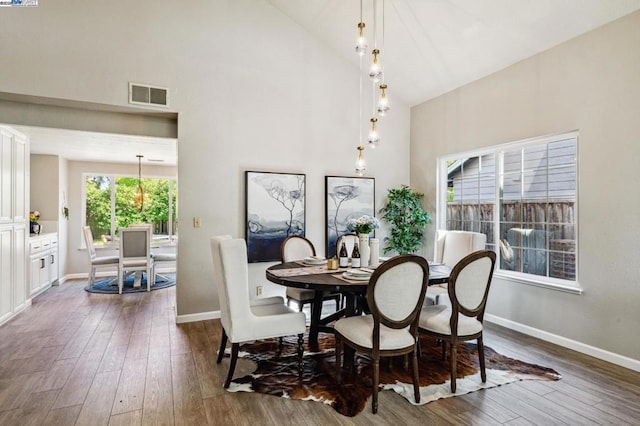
80,358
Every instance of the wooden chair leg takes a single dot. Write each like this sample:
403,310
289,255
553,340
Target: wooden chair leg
454,373
280,345
483,372
416,379
376,379
352,356
300,353
223,345
232,363
338,360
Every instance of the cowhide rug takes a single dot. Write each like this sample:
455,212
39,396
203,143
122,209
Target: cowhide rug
277,374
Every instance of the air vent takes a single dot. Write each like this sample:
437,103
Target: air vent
141,94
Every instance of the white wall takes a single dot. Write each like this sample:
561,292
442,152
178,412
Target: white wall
44,182
63,223
592,84
253,92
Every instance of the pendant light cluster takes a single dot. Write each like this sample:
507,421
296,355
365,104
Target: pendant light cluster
380,104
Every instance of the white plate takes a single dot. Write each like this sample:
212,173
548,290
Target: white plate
314,261
358,272
356,277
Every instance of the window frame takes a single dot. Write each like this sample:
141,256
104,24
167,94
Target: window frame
173,185
497,150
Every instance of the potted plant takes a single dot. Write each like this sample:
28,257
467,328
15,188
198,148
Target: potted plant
408,220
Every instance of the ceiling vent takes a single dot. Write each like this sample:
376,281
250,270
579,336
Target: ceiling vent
142,94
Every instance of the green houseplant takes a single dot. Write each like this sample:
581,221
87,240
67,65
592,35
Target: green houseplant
408,219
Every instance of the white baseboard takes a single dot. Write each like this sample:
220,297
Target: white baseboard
85,275
593,351
72,277
197,317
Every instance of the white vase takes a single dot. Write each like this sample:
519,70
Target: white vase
374,252
363,242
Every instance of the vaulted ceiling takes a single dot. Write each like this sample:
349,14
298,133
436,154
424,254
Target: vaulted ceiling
434,46
429,47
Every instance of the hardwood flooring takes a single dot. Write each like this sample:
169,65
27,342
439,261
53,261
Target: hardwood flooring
93,359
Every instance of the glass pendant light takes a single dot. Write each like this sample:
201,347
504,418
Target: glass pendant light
139,198
375,70
374,138
383,102
361,43
361,164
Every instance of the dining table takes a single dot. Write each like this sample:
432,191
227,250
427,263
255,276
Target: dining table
319,278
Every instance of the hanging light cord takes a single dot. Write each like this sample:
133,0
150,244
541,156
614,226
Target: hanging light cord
140,193
360,104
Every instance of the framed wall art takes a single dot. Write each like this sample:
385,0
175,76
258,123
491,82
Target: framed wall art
274,210
345,198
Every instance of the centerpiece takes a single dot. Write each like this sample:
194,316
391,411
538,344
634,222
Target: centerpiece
363,226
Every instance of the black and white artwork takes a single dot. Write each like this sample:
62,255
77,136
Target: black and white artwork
345,198
275,209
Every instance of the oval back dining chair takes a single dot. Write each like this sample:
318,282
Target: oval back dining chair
450,247
395,295
295,248
468,290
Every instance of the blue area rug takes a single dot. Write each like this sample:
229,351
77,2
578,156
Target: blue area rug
102,286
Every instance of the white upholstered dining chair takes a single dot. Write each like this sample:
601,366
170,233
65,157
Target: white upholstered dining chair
450,247
468,290
240,321
95,261
295,248
158,258
135,254
395,295
259,305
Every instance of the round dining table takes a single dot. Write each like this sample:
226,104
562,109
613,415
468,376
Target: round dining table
320,279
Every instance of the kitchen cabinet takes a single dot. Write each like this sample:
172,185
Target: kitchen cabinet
43,256
14,184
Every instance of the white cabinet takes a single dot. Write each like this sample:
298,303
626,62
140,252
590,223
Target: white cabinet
13,268
13,179
6,275
54,272
14,184
20,295
43,255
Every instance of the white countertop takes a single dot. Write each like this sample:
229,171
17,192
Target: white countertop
42,235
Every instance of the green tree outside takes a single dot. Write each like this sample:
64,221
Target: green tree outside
155,208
